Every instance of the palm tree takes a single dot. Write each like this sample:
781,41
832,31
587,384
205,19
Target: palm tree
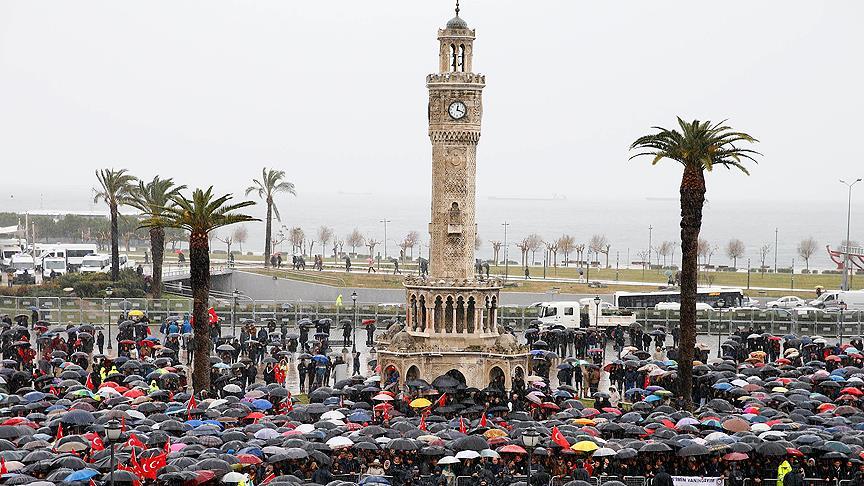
268,187
114,188
699,147
199,215
150,198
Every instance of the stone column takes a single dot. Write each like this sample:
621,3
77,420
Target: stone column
430,318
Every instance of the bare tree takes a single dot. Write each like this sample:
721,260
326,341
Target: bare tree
496,250
566,245
806,249
524,246
665,249
241,234
735,249
337,247
598,244
764,251
325,234
354,239
412,239
580,252
228,242
297,238
552,252
371,243
535,242
702,249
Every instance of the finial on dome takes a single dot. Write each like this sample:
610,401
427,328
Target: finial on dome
457,8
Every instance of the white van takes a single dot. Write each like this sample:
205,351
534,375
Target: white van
828,299
569,314
851,300
57,264
95,263
24,266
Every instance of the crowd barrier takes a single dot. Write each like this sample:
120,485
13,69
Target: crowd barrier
237,309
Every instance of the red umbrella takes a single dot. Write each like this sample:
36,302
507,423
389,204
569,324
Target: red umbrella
366,322
851,391
248,459
512,449
382,407
550,406
794,452
736,456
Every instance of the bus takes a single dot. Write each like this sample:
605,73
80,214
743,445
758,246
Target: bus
74,253
729,297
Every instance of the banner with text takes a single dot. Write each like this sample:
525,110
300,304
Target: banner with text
696,481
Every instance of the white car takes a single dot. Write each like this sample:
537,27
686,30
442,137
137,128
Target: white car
788,302
700,306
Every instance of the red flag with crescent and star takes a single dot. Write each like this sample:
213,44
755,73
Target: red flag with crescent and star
462,427
441,400
558,438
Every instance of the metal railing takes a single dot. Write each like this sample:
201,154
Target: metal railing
76,310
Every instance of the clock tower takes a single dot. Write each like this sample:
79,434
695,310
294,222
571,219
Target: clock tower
455,110
451,316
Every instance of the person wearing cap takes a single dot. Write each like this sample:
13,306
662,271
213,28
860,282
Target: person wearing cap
375,468
782,470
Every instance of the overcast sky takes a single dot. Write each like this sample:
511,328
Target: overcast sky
333,92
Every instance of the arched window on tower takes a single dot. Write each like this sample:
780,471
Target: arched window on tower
454,58
461,58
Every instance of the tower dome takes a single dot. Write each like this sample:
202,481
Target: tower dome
457,23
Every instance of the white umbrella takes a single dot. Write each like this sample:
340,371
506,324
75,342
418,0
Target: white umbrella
382,397
448,460
340,442
305,428
489,453
467,455
233,477
332,415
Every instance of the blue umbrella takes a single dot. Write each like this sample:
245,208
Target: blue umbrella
721,386
652,398
359,417
370,480
34,396
320,358
262,404
537,352
81,475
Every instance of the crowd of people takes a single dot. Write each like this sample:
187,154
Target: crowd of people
770,407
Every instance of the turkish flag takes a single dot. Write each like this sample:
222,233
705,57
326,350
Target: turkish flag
442,400
212,316
89,383
150,467
483,419
134,441
462,427
96,443
59,432
558,438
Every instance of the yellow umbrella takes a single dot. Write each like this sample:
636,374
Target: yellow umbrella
420,403
584,421
136,313
493,433
585,446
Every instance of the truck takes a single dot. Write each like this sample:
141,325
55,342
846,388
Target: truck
851,300
8,248
569,314
24,267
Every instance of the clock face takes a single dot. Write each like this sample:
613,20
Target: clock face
457,110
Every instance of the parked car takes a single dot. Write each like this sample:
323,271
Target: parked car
788,302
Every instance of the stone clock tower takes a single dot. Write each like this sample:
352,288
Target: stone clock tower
455,111
452,322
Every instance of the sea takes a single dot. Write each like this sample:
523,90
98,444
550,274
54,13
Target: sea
629,225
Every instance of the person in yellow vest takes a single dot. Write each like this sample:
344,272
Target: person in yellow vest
153,386
339,301
782,470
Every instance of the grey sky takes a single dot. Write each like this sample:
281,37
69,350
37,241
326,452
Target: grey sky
209,91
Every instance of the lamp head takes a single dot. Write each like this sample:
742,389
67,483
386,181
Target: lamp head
530,438
113,430
354,296
596,300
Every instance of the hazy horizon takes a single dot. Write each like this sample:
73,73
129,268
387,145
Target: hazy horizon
334,93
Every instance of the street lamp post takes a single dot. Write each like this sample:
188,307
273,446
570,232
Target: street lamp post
354,326
108,292
845,285
112,434
597,313
720,304
530,439
385,221
506,260
235,294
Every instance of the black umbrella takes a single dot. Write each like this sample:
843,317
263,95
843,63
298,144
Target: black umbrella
696,450
771,449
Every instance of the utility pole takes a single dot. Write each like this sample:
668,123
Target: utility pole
650,230
846,269
385,221
506,260
776,233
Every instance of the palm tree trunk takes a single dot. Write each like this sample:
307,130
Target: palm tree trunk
157,249
267,234
199,278
115,245
692,201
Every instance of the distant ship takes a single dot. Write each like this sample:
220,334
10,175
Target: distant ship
554,197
